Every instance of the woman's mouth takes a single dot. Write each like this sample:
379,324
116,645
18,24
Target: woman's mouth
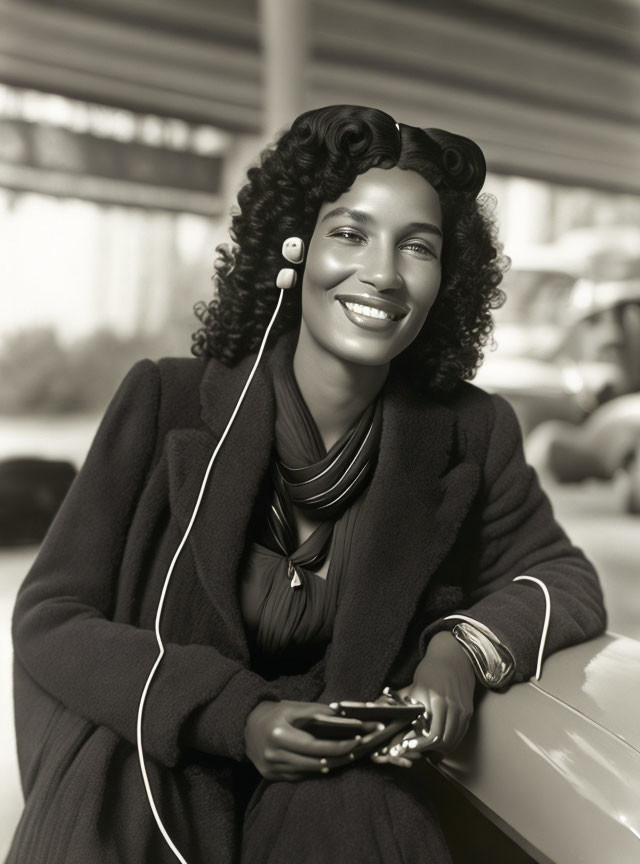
372,313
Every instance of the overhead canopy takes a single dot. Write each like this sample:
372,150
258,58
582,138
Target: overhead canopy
549,89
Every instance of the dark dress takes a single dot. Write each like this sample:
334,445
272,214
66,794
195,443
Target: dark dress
452,514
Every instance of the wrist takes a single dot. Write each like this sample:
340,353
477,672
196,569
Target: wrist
258,711
443,643
444,646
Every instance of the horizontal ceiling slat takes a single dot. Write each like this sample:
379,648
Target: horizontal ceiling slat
601,26
127,94
616,21
229,21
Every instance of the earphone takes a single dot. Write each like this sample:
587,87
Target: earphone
292,251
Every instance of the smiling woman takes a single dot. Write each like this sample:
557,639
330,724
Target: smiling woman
369,523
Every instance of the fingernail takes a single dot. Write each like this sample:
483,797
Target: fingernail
352,756
324,770
380,727
358,738
323,761
412,744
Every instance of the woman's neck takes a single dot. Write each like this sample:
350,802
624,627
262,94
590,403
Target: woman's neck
336,391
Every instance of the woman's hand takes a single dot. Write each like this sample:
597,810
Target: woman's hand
444,682
282,751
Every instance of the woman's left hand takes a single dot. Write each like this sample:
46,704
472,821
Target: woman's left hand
444,682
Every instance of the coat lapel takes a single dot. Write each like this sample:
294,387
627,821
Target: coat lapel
411,516
218,536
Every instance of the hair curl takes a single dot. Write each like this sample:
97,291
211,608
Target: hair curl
316,161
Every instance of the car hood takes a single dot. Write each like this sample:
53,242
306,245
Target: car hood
599,680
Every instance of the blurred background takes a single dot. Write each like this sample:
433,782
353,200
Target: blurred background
126,127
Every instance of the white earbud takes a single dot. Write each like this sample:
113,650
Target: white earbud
293,250
286,278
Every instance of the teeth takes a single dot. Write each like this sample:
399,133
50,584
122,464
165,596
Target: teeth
369,311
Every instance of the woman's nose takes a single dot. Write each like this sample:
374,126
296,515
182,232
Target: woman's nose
379,269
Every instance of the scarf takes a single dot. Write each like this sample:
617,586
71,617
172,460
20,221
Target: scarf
282,598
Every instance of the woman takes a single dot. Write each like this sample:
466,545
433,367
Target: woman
303,580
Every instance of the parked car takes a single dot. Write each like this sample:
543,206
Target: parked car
554,763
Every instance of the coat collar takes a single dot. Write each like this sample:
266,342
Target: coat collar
419,495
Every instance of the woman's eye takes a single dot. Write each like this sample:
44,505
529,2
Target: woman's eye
348,234
420,248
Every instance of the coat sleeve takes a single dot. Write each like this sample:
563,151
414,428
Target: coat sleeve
63,633
520,536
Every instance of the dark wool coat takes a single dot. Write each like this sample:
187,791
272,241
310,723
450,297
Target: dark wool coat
452,515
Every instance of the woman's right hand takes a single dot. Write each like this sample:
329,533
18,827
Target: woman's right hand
282,751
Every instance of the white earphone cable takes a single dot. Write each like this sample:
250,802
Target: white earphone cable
143,697
547,616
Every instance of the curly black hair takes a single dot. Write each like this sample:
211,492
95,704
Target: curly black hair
316,161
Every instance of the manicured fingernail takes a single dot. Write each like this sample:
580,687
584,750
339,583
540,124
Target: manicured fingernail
412,744
358,738
323,761
352,756
380,727
324,770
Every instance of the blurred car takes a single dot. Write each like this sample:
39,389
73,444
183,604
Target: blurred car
606,444
530,330
554,764
565,345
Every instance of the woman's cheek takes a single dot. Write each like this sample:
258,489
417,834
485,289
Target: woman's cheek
329,270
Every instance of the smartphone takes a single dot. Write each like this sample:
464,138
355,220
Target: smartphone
377,711
330,727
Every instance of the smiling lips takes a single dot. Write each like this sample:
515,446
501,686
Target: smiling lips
373,308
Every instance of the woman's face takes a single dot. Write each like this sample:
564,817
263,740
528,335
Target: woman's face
373,267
